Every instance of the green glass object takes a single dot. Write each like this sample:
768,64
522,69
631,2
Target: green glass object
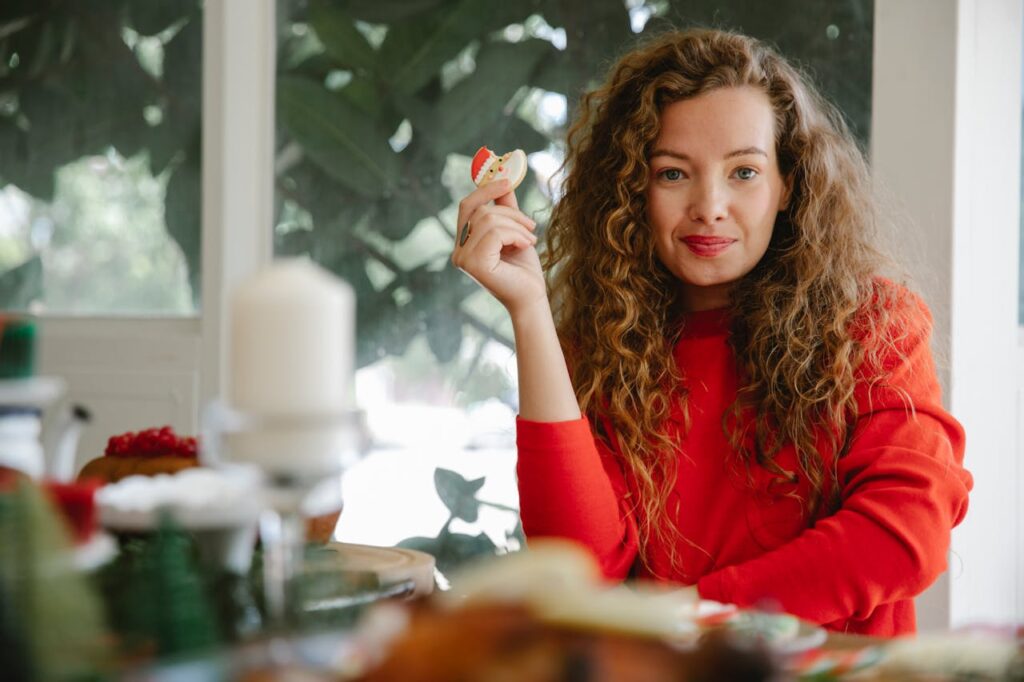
18,348
156,597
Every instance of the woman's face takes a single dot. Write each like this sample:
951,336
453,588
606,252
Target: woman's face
714,191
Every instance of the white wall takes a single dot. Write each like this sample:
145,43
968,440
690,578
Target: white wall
129,373
946,149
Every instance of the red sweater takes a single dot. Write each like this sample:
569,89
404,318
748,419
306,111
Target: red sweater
903,487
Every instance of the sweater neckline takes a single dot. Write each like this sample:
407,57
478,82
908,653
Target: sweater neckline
713,322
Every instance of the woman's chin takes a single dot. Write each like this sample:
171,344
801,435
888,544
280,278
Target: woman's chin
708,280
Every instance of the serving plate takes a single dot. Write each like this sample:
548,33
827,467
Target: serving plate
782,633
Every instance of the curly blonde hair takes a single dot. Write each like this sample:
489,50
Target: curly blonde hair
807,320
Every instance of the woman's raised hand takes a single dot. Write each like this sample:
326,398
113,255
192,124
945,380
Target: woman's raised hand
494,245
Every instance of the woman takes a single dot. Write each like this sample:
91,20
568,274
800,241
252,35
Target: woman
733,397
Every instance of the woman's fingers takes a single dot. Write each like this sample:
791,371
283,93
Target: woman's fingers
494,217
494,245
488,238
487,215
508,199
507,234
480,197
513,213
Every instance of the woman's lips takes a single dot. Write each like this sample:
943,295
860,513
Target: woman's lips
708,247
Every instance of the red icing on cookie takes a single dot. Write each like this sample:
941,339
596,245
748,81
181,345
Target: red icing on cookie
479,159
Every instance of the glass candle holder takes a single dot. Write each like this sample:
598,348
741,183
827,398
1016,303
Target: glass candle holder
294,454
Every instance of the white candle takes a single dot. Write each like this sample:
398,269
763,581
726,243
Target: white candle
292,342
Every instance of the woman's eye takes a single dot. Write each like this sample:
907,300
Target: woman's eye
671,174
746,173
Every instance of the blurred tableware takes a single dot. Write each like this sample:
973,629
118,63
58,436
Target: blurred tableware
391,565
312,657
300,459
64,442
288,410
22,401
97,551
220,507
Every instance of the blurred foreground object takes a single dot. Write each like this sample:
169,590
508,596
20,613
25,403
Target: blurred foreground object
289,407
17,347
51,620
497,641
147,452
543,615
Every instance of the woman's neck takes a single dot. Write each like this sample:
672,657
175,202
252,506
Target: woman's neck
696,299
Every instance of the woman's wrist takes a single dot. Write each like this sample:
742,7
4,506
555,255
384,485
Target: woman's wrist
532,315
545,390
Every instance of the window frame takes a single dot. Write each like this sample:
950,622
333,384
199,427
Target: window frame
239,75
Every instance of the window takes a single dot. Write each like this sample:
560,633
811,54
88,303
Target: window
100,136
381,106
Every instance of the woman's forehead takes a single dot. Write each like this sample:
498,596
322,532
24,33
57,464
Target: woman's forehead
718,122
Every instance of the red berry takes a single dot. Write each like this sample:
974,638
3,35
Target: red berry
152,442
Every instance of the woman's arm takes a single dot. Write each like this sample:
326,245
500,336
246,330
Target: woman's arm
545,390
569,486
903,488
499,253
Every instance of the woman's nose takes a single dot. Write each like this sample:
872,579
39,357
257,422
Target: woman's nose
708,203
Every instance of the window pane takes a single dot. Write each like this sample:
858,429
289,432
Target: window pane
100,141
380,108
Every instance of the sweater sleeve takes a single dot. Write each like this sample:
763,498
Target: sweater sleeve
571,486
903,488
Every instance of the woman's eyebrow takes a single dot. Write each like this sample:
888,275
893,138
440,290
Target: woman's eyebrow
683,157
746,151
